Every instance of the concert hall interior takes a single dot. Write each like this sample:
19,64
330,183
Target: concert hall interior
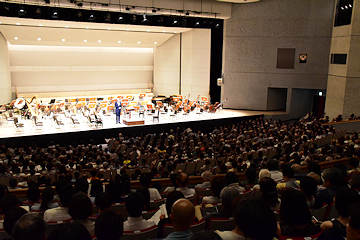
64,65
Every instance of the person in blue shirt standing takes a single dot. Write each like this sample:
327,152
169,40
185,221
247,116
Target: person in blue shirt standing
118,110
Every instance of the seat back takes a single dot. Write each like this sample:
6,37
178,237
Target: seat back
140,234
52,225
312,237
120,207
190,168
199,164
148,214
221,224
319,214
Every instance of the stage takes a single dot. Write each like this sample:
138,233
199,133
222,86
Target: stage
84,131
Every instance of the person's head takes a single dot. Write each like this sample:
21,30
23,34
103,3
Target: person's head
182,179
250,174
297,168
308,186
353,227
315,176
103,200
173,179
206,176
182,214
264,173
96,188
93,172
109,225
30,226
332,177
82,185
217,184
47,196
227,198
80,207
354,162
293,203
344,198
70,231
272,165
13,183
66,194
268,191
255,219
134,204
172,198
230,178
146,195
205,235
145,180
288,173
33,194
11,217
8,201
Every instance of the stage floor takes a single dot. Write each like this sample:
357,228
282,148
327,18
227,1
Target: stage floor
8,129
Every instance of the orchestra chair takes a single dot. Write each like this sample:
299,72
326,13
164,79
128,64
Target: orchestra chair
82,99
72,100
92,105
110,108
18,125
103,105
92,99
147,233
113,101
142,95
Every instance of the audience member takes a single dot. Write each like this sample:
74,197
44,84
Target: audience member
290,182
205,235
70,231
103,201
217,184
273,167
308,187
80,209
30,226
11,217
353,227
269,193
109,225
145,181
182,181
206,176
47,200
232,182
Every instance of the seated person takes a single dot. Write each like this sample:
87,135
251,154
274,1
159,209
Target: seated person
145,181
295,216
336,228
206,176
182,215
29,227
80,209
173,178
33,196
254,220
11,217
250,174
182,181
134,206
353,227
103,201
109,225
269,193
146,195
308,187
290,182
231,181
61,213
217,184
70,231
47,200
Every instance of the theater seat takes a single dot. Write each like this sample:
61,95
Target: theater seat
312,237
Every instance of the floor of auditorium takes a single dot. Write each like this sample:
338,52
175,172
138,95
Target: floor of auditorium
8,129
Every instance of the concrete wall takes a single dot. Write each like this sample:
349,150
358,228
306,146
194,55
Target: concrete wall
37,69
254,33
5,78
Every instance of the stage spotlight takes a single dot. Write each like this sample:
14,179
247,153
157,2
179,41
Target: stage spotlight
217,24
22,11
92,16
120,18
55,14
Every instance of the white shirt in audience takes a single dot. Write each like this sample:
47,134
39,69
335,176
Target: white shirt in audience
56,214
137,223
203,185
210,199
169,189
228,235
188,192
154,194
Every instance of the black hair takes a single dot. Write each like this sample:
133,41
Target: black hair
11,218
96,188
293,203
13,182
288,172
308,186
109,225
93,172
173,178
217,184
66,194
115,189
354,162
354,220
103,200
146,195
334,175
272,165
145,180
70,231
80,207
8,201
33,193
250,174
82,185
268,190
134,204
230,178
344,198
30,226
47,196
171,199
255,219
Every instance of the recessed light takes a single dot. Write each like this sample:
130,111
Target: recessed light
109,28
16,38
39,39
17,23
87,27
148,30
99,41
164,32
63,40
0,22
119,41
85,40
40,25
139,42
66,26
127,29
155,42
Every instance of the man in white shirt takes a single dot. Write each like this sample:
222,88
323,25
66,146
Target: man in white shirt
145,181
273,167
134,205
182,181
206,184
232,181
61,213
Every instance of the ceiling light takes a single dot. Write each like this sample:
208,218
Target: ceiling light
120,18
127,29
175,22
85,40
63,40
139,42
119,41
39,39
16,38
99,41
148,30
66,26
40,25
109,28
346,7
155,42
174,32
342,8
197,23
164,32
0,22
145,19
17,23
87,27
350,5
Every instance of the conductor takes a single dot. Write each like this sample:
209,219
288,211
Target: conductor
118,110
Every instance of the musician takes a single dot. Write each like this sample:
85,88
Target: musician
118,110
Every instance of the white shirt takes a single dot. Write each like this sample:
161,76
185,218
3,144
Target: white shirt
56,214
154,194
232,185
228,235
137,223
188,192
203,185
277,176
